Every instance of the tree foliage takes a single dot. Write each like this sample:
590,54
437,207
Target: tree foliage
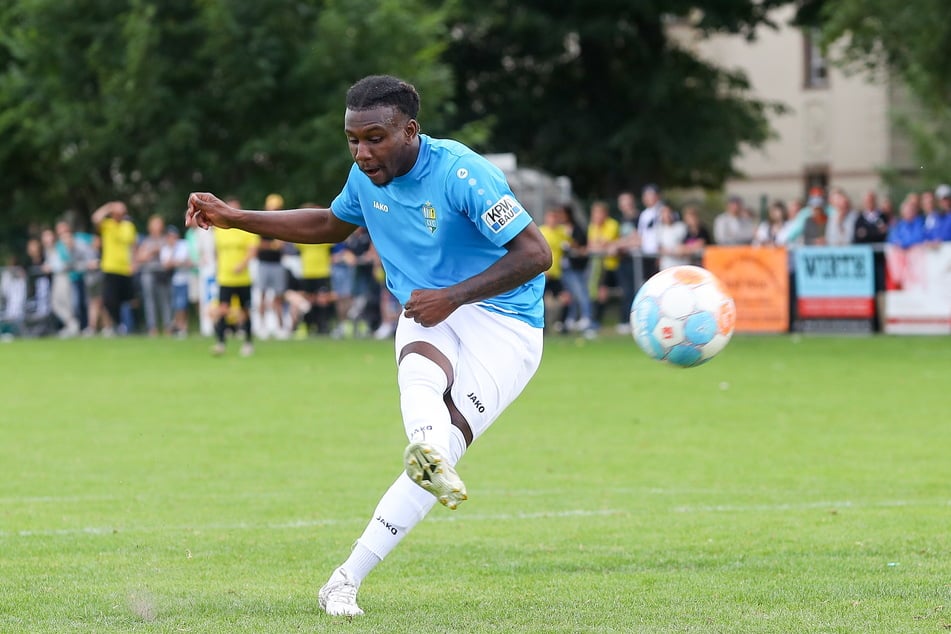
146,100
596,89
911,42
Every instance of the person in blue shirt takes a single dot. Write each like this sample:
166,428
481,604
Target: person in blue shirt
940,227
465,260
910,228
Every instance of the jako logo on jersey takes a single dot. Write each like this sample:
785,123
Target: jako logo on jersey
380,206
429,216
475,401
501,213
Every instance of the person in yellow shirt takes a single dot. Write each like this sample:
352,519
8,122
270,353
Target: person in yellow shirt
118,237
234,250
603,231
556,235
315,297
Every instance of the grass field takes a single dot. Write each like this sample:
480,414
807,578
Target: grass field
791,485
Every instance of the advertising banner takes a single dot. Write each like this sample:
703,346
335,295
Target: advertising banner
918,299
758,280
835,282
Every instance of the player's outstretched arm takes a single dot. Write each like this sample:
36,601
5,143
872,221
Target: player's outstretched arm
305,226
528,254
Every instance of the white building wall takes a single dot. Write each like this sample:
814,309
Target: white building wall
844,128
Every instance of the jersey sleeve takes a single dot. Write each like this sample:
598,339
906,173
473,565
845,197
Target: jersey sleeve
479,189
346,205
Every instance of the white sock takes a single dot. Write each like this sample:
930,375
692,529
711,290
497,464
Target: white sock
359,564
425,415
400,509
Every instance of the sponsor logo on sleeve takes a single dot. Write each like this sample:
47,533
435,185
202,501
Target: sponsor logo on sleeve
501,213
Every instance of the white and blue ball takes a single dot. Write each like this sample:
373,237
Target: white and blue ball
683,316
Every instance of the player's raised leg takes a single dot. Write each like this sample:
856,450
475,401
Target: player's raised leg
424,376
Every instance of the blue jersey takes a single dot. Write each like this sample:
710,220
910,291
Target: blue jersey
907,233
443,222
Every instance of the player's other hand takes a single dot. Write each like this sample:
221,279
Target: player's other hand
207,210
429,306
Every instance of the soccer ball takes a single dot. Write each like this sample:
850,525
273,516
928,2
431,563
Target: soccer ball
683,316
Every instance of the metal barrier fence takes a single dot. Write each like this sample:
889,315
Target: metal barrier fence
835,289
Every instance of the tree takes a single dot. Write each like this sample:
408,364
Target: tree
595,89
146,100
909,42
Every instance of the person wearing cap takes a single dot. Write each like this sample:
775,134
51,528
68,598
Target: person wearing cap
797,219
814,231
732,226
938,214
271,276
234,251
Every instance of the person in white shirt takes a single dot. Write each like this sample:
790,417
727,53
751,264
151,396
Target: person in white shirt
841,226
176,259
670,239
647,222
771,232
733,227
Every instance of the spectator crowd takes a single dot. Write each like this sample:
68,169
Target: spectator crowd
113,280
604,262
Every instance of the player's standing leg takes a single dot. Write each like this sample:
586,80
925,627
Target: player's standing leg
434,421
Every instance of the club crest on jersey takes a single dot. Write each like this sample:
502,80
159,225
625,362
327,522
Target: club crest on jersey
429,216
502,212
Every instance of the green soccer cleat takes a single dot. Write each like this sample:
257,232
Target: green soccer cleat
427,468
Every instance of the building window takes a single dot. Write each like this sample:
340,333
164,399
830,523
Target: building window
816,71
816,180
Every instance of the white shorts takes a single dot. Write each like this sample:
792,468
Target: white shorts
493,357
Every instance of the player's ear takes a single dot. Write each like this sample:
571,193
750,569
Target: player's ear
411,129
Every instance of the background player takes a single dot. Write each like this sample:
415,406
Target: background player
234,250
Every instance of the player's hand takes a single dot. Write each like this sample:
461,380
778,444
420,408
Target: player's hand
207,210
429,306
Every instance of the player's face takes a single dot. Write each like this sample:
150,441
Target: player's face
383,141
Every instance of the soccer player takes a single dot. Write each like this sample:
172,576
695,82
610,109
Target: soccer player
234,250
118,240
466,262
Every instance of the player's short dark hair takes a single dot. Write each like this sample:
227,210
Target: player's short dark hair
384,90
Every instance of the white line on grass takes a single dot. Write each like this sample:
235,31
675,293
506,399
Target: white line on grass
255,495
805,506
295,524
496,517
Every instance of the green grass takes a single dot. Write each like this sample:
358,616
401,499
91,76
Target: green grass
791,485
